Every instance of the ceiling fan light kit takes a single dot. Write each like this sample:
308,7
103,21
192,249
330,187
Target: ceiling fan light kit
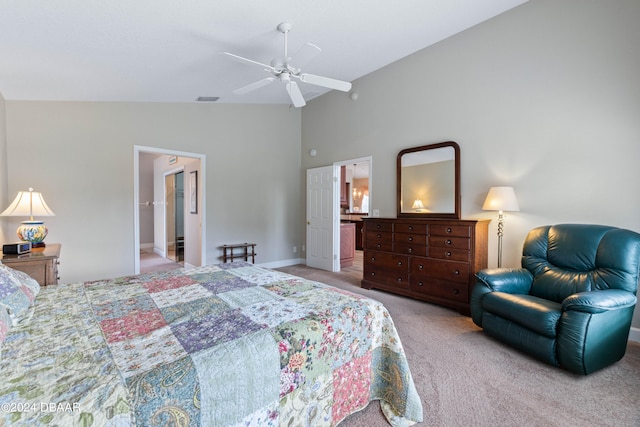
287,68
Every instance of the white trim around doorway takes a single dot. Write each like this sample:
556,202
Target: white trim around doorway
137,149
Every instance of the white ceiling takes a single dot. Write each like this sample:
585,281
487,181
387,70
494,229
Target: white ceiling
168,51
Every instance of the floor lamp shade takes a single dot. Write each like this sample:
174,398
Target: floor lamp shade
29,204
501,199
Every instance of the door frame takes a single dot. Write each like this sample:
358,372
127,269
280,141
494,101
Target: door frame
202,204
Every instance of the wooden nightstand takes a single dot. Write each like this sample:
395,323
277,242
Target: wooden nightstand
40,263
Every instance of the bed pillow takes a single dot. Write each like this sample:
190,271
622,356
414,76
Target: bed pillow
17,293
28,284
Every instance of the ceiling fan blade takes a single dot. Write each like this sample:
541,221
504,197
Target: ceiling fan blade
325,82
253,86
304,55
295,94
251,61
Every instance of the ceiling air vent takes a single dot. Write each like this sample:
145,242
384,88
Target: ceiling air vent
208,98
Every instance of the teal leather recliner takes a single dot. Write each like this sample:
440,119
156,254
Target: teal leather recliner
572,303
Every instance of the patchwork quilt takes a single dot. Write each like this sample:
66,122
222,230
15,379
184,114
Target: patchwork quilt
230,344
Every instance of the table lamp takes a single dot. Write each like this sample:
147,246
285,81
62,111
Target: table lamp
30,203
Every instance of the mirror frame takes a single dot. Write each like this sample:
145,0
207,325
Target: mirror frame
430,215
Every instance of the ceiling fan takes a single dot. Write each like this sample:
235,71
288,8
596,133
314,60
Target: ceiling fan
286,69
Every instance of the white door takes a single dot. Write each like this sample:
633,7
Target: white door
322,193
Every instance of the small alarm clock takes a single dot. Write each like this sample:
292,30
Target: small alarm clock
16,248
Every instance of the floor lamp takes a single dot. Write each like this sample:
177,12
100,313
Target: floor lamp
501,199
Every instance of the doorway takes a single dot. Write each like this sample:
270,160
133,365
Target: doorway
174,216
150,165
355,202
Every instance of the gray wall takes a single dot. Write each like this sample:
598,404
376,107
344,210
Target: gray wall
80,156
544,98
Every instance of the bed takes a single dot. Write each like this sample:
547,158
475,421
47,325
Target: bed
228,344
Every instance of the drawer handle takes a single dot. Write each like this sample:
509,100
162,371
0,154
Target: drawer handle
399,263
456,273
448,253
378,235
420,284
456,291
378,246
448,242
410,250
373,273
411,227
421,267
449,230
373,258
411,239
399,279
379,226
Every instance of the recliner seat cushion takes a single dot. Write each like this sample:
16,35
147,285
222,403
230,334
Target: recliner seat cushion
536,314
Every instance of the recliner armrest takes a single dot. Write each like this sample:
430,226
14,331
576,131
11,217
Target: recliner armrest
508,280
599,301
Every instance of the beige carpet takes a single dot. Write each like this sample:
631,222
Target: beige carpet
150,262
466,378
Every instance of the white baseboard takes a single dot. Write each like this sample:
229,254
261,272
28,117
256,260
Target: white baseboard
283,263
146,245
634,334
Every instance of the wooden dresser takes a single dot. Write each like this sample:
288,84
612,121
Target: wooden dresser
40,263
432,260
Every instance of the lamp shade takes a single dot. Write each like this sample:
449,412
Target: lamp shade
28,203
417,204
501,199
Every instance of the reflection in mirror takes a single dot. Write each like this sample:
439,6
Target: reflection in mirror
428,181
359,196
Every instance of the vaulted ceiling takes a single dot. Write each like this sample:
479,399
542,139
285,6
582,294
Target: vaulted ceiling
169,51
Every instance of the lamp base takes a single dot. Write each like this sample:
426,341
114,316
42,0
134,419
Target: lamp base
34,232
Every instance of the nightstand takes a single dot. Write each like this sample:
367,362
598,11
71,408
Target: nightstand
40,263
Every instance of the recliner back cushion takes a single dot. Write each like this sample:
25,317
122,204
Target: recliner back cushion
569,258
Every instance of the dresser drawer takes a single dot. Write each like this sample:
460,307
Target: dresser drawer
387,261
410,228
386,277
410,249
449,230
379,226
450,242
440,288
416,239
423,268
461,255
379,240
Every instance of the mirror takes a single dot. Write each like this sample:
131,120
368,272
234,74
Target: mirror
428,181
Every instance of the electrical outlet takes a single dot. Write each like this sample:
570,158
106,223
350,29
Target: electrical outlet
376,212
302,248
295,249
